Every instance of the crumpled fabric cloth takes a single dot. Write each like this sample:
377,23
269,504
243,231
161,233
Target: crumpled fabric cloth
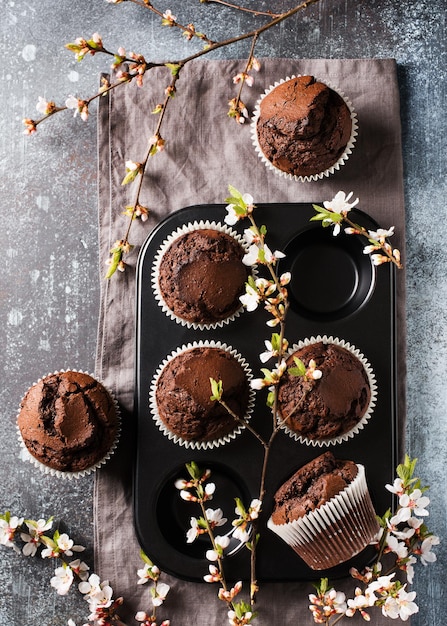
205,151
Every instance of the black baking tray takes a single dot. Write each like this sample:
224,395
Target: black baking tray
335,291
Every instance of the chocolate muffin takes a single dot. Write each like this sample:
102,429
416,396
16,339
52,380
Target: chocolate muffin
324,512
303,127
311,486
201,276
68,421
183,391
331,406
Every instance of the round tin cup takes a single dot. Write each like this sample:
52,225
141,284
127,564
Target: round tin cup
175,235
313,177
201,445
26,455
372,402
336,531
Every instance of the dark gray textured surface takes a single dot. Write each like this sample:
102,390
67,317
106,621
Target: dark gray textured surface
49,286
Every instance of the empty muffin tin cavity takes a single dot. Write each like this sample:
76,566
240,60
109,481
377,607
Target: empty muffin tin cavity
331,277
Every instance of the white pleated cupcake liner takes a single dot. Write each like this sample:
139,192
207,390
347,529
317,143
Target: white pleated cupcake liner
372,402
325,173
179,232
336,531
201,445
26,455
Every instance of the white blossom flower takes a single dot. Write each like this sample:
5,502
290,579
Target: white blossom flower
72,103
215,517
396,546
8,529
227,595
92,585
160,592
250,299
252,256
397,487
67,546
62,579
340,203
258,383
400,606
413,503
241,534
255,508
168,16
272,257
369,249
269,353
381,233
80,568
221,543
193,531
337,229
409,569
148,572
285,278
213,576
383,583
44,107
231,217
426,555
251,236
186,495
379,259
210,488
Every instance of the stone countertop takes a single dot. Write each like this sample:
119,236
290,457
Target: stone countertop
49,286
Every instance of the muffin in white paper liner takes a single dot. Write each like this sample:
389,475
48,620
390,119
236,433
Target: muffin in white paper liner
372,385
196,444
337,530
175,235
26,455
311,177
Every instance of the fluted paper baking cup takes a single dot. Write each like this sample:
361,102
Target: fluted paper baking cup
26,455
336,531
176,234
325,173
201,445
372,401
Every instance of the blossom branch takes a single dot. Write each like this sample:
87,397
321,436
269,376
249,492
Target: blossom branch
133,67
335,213
405,543
230,5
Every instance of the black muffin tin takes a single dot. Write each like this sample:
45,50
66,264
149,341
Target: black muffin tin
335,291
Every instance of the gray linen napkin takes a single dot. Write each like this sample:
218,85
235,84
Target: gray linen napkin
205,151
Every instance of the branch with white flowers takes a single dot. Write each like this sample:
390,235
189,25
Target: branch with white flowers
31,538
406,538
130,67
335,213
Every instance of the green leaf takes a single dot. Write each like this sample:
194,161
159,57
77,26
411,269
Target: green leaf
130,176
174,67
299,369
240,506
193,470
236,195
270,399
145,558
216,390
115,260
276,341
